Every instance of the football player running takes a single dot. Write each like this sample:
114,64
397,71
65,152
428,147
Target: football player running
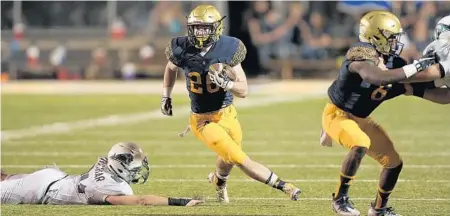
107,182
213,119
369,75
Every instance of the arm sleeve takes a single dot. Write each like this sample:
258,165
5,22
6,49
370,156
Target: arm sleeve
239,55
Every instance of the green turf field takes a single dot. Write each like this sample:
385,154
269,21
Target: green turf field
284,136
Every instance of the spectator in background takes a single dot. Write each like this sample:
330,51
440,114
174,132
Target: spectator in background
418,19
167,18
315,37
420,31
410,51
271,32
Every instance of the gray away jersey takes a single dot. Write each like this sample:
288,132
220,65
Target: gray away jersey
445,59
90,188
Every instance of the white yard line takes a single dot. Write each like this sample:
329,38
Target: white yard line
301,180
329,199
253,133
173,139
197,166
209,154
112,120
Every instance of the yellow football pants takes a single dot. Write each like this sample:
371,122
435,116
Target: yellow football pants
221,132
351,131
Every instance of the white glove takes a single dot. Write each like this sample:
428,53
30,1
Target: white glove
221,80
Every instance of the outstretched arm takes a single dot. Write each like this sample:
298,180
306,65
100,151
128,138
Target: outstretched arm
150,200
434,72
373,74
365,60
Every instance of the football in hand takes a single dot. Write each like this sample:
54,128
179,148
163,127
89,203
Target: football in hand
225,69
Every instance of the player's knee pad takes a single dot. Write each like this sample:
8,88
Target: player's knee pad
390,160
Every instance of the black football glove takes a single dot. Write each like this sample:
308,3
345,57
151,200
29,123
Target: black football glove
430,58
166,106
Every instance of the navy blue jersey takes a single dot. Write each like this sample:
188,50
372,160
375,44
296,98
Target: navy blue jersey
352,94
205,96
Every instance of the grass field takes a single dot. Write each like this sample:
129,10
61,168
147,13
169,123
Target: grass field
284,136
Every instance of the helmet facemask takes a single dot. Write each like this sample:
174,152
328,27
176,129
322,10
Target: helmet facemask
202,35
140,174
389,44
440,28
131,170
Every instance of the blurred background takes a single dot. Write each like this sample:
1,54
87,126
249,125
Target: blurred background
95,40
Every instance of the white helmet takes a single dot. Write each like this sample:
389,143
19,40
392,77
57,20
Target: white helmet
442,26
128,161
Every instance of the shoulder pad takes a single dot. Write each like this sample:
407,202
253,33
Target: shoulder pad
239,55
361,52
174,49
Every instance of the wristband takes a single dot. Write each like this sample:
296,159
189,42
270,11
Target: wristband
178,202
410,70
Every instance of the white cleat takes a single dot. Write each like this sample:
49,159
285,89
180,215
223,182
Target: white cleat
325,140
221,191
292,191
343,207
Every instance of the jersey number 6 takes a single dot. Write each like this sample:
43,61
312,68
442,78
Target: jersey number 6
196,83
379,93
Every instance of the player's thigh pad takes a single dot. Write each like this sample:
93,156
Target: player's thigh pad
30,189
217,138
343,128
231,124
382,148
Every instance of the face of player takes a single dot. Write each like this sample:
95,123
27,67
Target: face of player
202,31
201,34
396,45
140,174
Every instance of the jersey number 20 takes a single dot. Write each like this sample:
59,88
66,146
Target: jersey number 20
196,83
